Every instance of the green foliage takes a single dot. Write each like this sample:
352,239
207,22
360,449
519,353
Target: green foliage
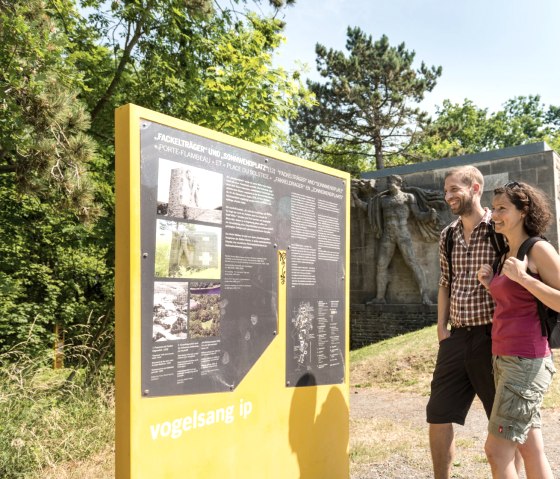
554,142
214,71
180,58
47,420
242,94
163,250
457,130
364,105
329,154
523,120
43,142
58,69
463,129
52,270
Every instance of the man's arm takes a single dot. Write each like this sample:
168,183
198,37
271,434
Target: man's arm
443,313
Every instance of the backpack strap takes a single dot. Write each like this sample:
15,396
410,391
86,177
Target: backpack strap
497,240
500,246
448,250
498,263
521,253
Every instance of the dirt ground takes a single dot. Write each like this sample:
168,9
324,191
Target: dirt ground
388,440
382,412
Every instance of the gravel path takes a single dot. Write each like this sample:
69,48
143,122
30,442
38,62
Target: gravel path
374,406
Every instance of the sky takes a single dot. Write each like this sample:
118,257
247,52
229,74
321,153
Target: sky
490,50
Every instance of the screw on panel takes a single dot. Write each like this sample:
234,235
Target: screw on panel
287,383
146,392
275,245
144,255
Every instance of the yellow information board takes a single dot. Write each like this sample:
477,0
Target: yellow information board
232,331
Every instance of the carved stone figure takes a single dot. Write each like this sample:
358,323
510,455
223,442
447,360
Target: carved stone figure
186,249
182,251
389,213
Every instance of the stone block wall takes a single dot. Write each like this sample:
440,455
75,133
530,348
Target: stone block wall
373,323
536,164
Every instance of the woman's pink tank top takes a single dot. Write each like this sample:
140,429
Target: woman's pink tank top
516,329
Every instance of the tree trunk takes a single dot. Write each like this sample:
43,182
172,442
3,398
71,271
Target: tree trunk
378,148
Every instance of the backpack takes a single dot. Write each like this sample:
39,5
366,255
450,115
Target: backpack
497,241
550,326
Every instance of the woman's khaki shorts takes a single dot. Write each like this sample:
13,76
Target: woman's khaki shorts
520,387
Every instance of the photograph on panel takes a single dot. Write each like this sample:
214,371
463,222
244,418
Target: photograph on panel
171,311
189,193
302,332
205,310
186,250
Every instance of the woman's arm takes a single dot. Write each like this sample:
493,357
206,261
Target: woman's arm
544,261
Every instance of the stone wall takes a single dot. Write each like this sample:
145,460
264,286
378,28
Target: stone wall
375,322
536,164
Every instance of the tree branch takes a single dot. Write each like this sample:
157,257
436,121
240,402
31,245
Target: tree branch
118,72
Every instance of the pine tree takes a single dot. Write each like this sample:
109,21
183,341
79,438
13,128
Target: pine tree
364,106
43,140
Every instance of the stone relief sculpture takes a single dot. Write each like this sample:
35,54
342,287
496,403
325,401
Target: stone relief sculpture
388,213
186,249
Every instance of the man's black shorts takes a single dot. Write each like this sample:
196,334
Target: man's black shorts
463,369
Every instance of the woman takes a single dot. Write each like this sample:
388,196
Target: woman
522,360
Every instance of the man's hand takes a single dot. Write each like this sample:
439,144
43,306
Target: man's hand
442,332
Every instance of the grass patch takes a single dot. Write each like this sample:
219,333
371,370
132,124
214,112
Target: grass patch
375,441
382,445
403,363
47,420
50,429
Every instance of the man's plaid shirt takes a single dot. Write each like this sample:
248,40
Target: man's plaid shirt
470,303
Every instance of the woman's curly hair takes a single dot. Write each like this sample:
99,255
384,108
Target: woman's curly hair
532,201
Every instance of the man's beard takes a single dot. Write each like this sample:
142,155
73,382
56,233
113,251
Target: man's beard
465,207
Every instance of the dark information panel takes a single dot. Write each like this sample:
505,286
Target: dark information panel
213,217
